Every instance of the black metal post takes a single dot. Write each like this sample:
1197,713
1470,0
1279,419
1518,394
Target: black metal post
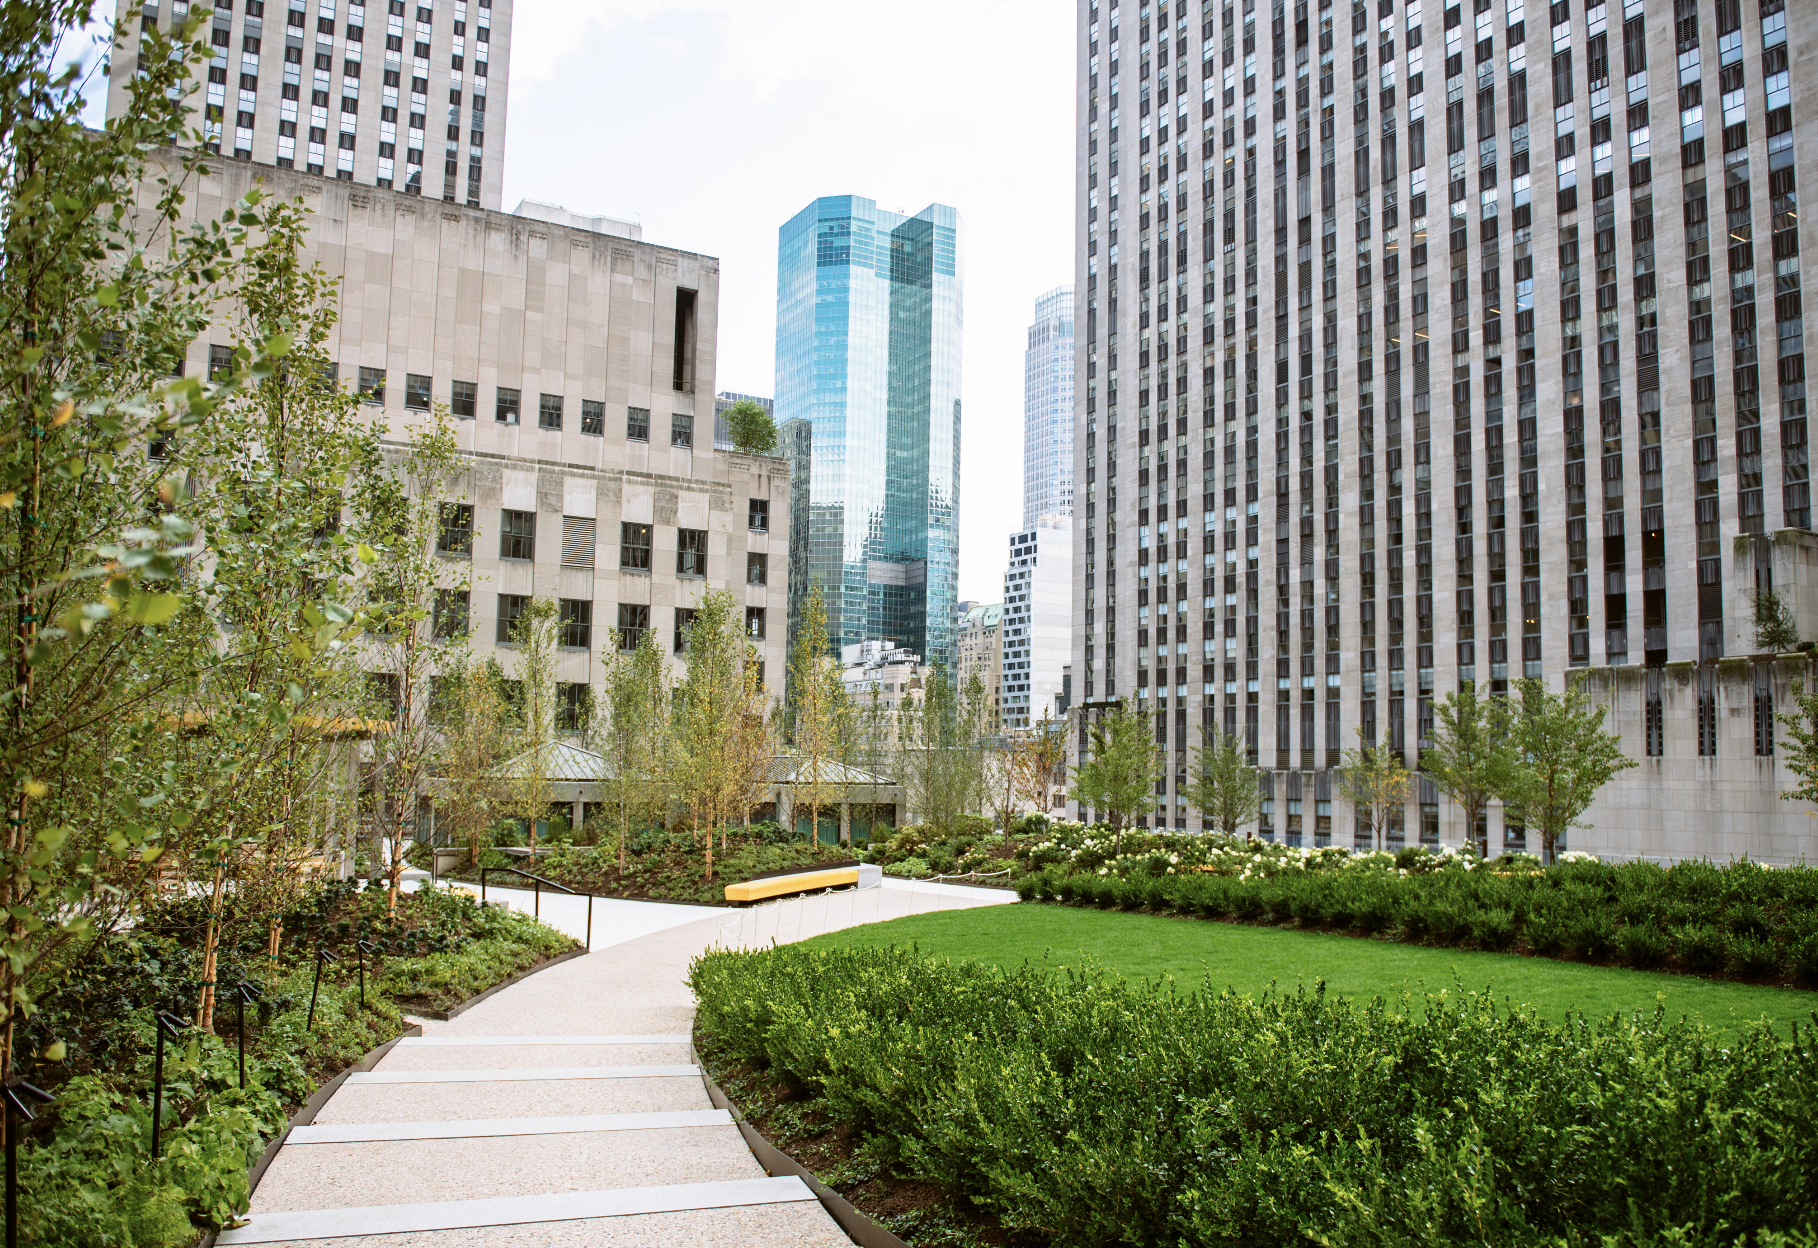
240,1005
157,1084
322,955
590,922
15,1095
360,957
536,897
483,871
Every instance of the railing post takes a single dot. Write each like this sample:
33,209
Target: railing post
536,897
483,871
589,922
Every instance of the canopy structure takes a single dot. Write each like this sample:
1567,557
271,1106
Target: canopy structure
574,774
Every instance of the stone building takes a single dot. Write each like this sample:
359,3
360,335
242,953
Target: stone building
981,652
1351,340
579,368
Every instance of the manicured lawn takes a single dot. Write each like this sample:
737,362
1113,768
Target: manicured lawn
1249,959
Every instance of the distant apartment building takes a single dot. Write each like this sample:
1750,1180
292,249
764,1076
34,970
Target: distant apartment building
410,97
981,652
1048,409
884,676
1037,623
868,399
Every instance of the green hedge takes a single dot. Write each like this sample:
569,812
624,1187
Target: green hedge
1082,1110
1743,921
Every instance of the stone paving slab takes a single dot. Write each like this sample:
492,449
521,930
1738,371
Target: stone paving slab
532,1054
364,1174
794,1225
494,1074
463,1128
513,1210
430,1041
428,1103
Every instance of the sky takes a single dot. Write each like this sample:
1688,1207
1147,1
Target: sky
712,122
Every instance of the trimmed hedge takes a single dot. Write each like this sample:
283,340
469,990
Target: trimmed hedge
1741,921
1084,1110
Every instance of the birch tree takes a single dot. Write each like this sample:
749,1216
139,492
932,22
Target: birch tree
633,733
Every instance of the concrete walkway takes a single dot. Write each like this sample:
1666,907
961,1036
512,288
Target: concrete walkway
565,1109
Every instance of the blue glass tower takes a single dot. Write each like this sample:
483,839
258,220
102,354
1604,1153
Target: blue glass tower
868,395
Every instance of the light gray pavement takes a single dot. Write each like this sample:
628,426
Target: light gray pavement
622,1006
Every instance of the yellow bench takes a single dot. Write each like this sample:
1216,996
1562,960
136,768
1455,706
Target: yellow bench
783,885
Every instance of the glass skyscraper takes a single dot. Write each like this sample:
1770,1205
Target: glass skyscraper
868,396
1048,409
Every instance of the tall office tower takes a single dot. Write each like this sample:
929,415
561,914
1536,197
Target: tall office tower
1037,631
868,358
325,99
1373,332
1048,409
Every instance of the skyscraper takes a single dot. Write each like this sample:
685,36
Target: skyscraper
1037,585
1299,276
868,360
323,98
1048,409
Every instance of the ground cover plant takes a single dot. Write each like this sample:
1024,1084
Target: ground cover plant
88,1169
1082,1109
1254,960
1738,921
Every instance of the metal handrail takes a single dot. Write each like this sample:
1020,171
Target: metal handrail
537,895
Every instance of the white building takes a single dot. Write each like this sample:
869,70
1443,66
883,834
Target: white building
1048,409
886,675
1036,630
334,89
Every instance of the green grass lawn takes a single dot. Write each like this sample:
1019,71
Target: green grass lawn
1249,959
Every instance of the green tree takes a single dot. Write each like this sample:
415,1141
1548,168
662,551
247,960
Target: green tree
942,750
1116,776
819,710
471,713
633,732
1776,629
1373,780
1224,789
709,709
1471,754
531,785
752,429
1562,756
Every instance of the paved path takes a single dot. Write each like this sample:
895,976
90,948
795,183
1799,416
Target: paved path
565,1109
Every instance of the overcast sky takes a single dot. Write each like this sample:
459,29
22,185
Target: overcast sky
714,121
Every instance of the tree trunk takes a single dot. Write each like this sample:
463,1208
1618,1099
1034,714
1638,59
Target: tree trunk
205,1008
271,949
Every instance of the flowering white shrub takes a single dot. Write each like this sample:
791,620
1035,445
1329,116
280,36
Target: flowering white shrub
1089,848
1573,855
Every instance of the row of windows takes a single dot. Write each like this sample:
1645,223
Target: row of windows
518,540
574,621
508,406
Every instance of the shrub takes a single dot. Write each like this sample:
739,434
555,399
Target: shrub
1493,929
1702,947
1643,944
1804,959
1545,931
1751,957
1082,1109
1588,933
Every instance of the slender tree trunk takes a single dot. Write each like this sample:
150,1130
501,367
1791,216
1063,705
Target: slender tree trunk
271,949
205,1009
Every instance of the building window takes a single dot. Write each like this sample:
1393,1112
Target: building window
757,517
517,535
416,392
577,623
634,620
684,620
462,396
505,410
634,546
511,608
220,362
681,429
549,411
757,569
593,418
372,385
754,622
573,704
637,424
691,552
451,613
577,541
454,534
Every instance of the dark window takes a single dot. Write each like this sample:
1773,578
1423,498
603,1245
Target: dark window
505,411
681,429
517,535
691,552
593,417
634,546
637,424
574,701
684,620
451,613
754,621
684,345
757,518
416,392
455,535
549,411
577,623
511,607
372,385
220,362
633,621
462,397
382,693
757,569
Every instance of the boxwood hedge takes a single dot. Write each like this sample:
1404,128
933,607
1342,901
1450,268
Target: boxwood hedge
1743,921
1084,1110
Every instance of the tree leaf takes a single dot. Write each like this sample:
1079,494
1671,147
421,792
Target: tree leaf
152,608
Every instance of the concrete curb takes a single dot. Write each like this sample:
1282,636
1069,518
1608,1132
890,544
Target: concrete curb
860,1229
